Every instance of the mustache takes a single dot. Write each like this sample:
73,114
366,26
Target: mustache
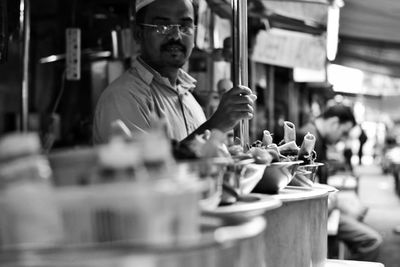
165,46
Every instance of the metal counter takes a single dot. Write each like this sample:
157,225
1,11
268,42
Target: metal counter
297,232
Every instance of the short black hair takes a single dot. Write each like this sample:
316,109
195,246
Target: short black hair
343,112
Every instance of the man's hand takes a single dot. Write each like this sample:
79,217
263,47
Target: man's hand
235,105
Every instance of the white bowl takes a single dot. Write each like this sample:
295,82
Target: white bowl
305,175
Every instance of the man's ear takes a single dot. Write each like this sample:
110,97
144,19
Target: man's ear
137,33
333,123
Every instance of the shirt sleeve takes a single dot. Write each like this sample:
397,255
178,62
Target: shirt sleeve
133,110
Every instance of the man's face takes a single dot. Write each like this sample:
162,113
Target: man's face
170,50
338,131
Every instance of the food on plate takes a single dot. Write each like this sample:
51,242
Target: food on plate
289,132
267,138
289,149
261,155
266,151
216,144
306,152
236,150
274,151
257,143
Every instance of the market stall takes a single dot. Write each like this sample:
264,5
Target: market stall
145,200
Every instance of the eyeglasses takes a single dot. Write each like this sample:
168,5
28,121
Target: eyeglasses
167,29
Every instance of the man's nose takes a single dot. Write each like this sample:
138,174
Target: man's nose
175,33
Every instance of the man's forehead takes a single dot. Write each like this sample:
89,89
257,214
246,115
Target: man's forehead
347,124
142,3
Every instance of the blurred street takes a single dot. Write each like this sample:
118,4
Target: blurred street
377,192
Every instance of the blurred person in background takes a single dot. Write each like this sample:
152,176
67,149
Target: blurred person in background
223,86
348,154
362,138
329,128
157,84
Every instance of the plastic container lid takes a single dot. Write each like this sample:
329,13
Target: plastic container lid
19,144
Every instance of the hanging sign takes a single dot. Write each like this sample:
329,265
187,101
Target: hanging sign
312,12
290,49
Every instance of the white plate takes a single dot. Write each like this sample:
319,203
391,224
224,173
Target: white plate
329,188
326,187
248,207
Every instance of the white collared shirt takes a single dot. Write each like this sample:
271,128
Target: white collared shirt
141,92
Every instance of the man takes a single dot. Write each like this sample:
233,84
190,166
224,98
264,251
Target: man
156,83
330,127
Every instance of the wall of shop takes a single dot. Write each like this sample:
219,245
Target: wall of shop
49,20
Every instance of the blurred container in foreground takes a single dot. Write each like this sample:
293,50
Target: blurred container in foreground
162,212
30,217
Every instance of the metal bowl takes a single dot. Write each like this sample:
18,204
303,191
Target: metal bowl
276,176
232,181
251,177
305,175
210,172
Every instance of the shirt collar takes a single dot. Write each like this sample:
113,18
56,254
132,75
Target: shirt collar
147,73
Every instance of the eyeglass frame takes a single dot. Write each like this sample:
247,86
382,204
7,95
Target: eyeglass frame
168,28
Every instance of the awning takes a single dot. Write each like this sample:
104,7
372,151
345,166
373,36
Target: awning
297,15
294,34
369,29
370,36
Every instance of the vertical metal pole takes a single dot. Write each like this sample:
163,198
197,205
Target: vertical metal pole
240,58
210,60
252,84
25,36
132,13
270,96
293,101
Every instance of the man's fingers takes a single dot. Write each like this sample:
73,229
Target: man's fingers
241,115
240,90
240,94
243,109
245,90
253,97
243,99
